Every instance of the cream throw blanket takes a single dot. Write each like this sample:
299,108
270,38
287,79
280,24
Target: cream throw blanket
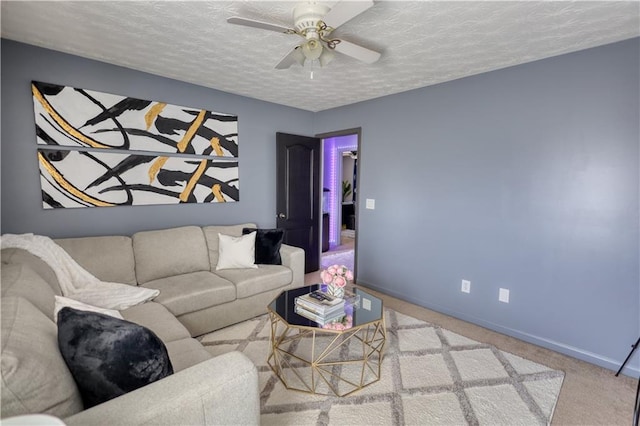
75,281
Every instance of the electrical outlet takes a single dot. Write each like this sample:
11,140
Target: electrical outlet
466,286
503,295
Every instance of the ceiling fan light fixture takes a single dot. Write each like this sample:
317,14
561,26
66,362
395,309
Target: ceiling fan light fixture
326,57
312,49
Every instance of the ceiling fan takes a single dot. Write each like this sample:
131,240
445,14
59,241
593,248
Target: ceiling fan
314,23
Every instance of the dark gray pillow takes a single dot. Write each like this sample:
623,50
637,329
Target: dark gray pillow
109,357
268,243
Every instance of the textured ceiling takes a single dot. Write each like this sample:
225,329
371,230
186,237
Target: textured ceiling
422,43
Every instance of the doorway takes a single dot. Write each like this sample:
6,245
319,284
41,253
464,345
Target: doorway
339,199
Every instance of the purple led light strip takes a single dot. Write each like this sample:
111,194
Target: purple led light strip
333,148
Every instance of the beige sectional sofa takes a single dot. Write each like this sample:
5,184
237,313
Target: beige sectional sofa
194,299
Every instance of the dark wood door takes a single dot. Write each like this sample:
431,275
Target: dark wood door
298,194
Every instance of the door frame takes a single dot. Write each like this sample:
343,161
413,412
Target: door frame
347,132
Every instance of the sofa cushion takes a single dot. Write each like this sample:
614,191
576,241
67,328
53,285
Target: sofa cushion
186,353
107,258
35,378
158,319
192,292
236,252
253,281
169,252
109,357
268,243
20,256
211,236
21,281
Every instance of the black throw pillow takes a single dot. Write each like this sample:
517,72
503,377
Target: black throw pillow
109,357
268,243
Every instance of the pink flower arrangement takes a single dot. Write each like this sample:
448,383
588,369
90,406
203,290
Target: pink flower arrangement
336,275
344,323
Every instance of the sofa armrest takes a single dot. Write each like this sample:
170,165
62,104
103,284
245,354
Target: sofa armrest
221,390
293,258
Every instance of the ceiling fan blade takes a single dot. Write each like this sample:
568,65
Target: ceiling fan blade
294,57
345,11
237,20
358,52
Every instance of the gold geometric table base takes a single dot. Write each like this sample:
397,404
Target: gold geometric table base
326,362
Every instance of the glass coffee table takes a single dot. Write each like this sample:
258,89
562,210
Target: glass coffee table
335,359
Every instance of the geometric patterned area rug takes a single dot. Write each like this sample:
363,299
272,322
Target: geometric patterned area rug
430,376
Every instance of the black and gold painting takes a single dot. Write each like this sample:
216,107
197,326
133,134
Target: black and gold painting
81,178
75,117
97,145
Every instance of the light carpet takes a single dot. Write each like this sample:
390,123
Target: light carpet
430,376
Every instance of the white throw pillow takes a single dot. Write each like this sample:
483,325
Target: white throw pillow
65,302
236,252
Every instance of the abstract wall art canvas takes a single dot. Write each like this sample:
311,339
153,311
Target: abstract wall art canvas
75,117
99,150
81,178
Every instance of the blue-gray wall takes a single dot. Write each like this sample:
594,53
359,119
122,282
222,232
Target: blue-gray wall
21,201
525,178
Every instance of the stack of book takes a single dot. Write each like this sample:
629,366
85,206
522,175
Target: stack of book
319,307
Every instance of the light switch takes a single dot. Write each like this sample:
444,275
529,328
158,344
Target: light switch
371,204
